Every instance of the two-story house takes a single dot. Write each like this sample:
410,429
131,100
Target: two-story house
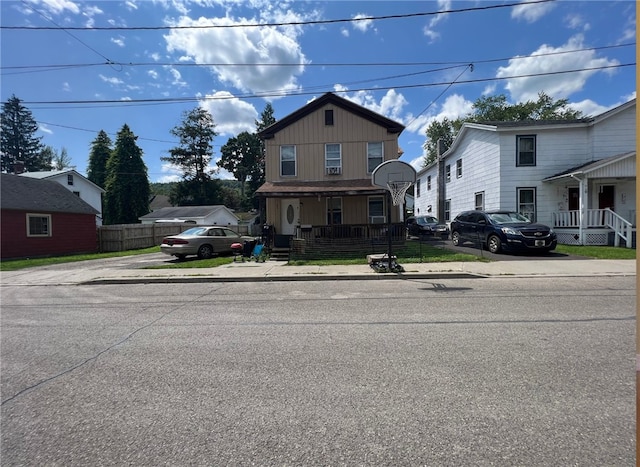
578,176
318,166
79,185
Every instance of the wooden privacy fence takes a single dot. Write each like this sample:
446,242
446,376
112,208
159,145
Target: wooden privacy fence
123,237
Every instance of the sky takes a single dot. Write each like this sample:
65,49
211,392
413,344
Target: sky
85,66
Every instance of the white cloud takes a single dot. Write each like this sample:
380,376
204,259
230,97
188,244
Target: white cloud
66,87
363,24
248,47
176,77
344,32
428,30
45,129
153,74
231,115
58,6
577,22
390,105
531,12
558,86
119,41
112,81
454,106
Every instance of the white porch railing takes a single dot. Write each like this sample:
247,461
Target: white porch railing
597,218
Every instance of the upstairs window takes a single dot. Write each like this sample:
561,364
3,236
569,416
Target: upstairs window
459,168
333,157
374,156
69,179
418,188
525,151
328,117
447,173
428,182
288,161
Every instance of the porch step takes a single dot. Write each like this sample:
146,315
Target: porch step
279,254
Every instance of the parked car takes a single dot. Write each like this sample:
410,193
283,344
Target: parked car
202,241
502,230
421,226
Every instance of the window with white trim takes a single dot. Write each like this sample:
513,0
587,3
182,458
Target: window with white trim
459,168
447,173
479,201
527,202
428,182
374,155
38,225
69,179
418,188
288,160
525,151
333,156
447,210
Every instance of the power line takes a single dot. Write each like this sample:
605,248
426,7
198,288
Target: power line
288,23
56,67
268,94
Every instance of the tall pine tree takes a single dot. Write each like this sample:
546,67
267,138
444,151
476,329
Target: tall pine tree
98,157
127,184
18,143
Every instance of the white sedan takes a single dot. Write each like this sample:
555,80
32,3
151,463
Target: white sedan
204,242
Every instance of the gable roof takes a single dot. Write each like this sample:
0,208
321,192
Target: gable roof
45,174
331,98
590,166
32,194
180,212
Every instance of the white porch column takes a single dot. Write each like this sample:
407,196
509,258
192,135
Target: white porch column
584,196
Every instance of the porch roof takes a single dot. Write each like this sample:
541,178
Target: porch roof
296,188
590,166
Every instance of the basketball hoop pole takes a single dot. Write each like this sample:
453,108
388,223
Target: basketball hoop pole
389,202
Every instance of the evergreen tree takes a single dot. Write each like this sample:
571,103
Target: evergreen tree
192,157
18,143
127,185
98,157
492,109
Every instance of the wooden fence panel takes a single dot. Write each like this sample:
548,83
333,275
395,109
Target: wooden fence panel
123,237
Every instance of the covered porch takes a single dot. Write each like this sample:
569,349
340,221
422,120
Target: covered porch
597,202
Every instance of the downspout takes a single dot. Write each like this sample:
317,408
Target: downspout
582,213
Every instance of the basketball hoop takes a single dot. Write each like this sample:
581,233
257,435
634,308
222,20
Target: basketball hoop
398,190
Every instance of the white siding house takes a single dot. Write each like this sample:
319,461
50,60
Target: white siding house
81,186
578,176
201,215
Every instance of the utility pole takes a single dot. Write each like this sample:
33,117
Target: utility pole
441,181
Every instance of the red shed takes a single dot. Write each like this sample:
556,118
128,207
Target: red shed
43,218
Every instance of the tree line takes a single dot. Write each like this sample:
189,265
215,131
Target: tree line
120,170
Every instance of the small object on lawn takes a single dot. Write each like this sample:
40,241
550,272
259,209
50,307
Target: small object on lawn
236,249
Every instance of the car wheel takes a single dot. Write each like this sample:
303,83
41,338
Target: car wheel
494,244
455,238
205,252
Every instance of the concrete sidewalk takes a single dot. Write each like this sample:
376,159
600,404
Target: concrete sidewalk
113,273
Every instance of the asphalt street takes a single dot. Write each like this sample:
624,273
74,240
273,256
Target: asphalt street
493,371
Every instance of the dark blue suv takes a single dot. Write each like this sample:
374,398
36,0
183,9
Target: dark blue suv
502,230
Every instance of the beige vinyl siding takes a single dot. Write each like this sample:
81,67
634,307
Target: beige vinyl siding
310,134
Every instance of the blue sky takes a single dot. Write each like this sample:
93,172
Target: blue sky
145,63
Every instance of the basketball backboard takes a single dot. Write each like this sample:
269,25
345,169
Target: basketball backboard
393,171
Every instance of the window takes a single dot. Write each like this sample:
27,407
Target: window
526,151
334,211
332,156
428,182
447,210
418,188
376,210
69,179
459,168
447,173
374,156
38,225
527,203
479,201
77,193
287,161
328,117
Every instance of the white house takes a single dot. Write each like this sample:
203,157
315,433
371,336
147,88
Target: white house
578,176
201,215
81,186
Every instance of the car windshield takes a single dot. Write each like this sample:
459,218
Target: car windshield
194,231
508,218
426,220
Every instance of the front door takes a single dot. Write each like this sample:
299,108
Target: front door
606,197
574,198
290,216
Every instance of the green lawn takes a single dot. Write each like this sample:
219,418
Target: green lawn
413,252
